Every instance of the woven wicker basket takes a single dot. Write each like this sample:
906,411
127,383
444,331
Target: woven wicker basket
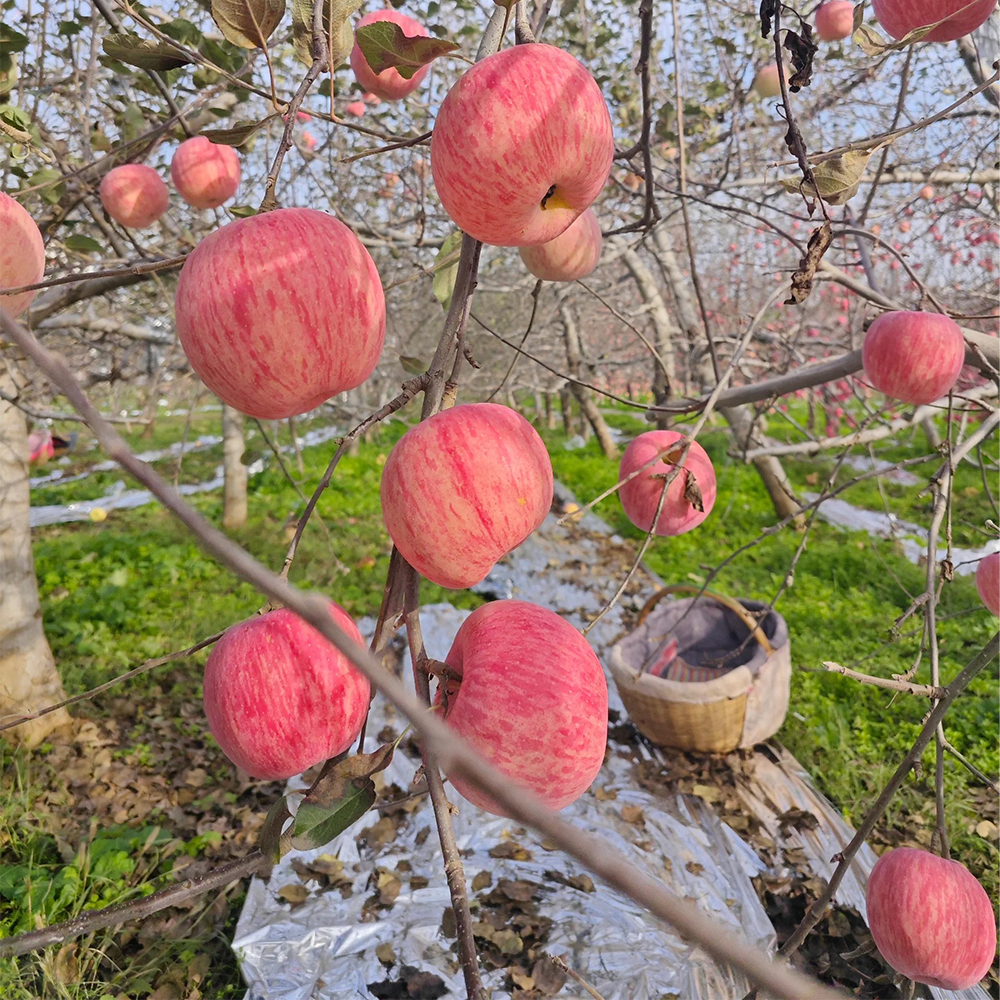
747,698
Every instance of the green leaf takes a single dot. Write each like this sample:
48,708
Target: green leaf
318,825
237,134
336,24
384,44
53,187
411,365
242,211
83,244
143,53
248,23
11,40
182,31
69,28
446,269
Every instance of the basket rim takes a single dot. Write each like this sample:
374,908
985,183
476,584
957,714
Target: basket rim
735,683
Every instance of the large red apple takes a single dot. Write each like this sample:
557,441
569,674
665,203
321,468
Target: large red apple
278,312
205,173
900,17
463,488
767,82
571,255
915,357
522,145
22,254
834,20
931,919
134,195
388,84
532,699
280,698
693,487
988,581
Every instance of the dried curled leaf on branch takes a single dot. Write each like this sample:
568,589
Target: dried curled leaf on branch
248,23
805,273
837,178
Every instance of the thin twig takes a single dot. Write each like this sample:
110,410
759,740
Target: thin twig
926,690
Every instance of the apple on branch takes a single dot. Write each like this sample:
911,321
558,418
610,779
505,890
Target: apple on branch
690,496
134,195
531,697
931,919
767,82
571,255
278,312
959,17
389,84
522,146
279,697
834,20
22,254
915,357
463,488
205,173
988,581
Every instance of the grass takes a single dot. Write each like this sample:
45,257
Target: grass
136,587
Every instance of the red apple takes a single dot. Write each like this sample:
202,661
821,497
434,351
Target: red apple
915,357
900,17
988,581
278,312
927,192
356,109
388,84
767,83
571,255
134,195
280,698
205,173
641,496
834,20
309,141
931,919
463,488
22,254
522,145
532,699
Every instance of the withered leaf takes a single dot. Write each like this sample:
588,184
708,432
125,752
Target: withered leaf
508,849
248,23
296,893
520,891
386,954
482,881
548,976
692,492
802,279
632,814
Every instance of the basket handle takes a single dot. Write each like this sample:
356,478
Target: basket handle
751,623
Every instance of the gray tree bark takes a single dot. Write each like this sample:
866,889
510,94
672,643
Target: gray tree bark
234,494
29,680
566,404
578,369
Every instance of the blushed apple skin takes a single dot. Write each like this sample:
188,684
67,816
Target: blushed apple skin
388,84
532,700
280,698
931,919
278,312
915,357
900,17
463,488
205,173
988,581
640,496
571,255
22,254
767,83
517,124
834,20
134,195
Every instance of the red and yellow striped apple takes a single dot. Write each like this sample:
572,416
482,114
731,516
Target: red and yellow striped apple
463,488
22,254
931,919
280,698
915,357
834,20
571,255
134,195
900,17
693,486
205,173
532,699
522,146
988,581
278,312
388,84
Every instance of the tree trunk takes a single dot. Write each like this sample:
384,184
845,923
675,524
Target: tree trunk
234,496
566,402
578,369
29,680
550,412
